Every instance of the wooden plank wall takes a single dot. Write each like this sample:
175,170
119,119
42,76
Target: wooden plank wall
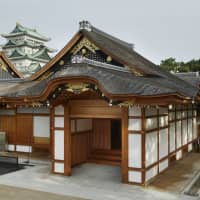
101,137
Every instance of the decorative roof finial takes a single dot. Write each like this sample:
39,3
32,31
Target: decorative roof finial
85,25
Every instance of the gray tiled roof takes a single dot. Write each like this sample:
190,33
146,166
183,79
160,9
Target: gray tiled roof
114,82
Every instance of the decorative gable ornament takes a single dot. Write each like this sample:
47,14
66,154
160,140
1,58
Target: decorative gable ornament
84,43
85,25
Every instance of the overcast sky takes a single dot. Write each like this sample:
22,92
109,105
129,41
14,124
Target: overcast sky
158,28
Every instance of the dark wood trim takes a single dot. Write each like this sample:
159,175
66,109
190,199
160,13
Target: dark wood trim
143,136
124,145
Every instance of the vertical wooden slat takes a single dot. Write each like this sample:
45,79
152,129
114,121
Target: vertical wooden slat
143,134
124,145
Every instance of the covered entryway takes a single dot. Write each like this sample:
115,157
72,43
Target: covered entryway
86,131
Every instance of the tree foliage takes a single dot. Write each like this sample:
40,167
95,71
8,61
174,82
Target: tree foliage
170,64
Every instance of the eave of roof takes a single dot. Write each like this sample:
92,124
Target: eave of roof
10,65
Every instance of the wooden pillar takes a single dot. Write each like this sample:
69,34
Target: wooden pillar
143,134
67,143
124,164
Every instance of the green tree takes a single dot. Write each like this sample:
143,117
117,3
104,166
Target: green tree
169,64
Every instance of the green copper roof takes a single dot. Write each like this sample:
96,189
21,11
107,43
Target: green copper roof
40,56
22,30
12,44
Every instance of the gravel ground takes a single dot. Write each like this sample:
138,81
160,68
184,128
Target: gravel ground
10,193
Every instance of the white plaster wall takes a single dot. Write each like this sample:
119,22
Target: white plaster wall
190,147
59,167
84,124
134,111
163,121
151,172
163,143
134,176
163,165
184,132
151,123
194,128
178,134
11,147
171,116
59,122
190,134
172,137
41,126
178,115
134,124
163,110
150,111
59,145
23,148
179,155
59,110
134,150
151,148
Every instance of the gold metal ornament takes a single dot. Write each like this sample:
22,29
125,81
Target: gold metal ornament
109,59
84,43
78,88
62,62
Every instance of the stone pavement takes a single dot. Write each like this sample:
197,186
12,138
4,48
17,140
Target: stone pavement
89,181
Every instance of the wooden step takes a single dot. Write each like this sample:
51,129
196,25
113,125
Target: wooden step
105,162
105,157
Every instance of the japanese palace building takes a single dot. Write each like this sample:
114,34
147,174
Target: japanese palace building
100,101
26,48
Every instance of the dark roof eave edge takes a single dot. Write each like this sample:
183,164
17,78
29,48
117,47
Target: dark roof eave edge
123,97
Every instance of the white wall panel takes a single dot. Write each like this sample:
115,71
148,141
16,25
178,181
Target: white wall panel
194,128
84,124
59,144
190,134
134,150
59,167
150,111
184,132
163,121
151,123
171,116
151,173
134,111
178,134
11,147
163,143
163,165
179,155
134,176
23,148
134,124
163,110
151,148
172,137
59,122
190,147
41,126
59,110
178,115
